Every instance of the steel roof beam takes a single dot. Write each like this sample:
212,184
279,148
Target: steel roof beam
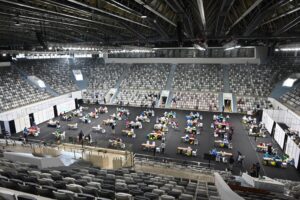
107,13
288,26
282,15
268,9
225,7
202,13
254,5
57,13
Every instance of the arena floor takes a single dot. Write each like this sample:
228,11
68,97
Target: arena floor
241,141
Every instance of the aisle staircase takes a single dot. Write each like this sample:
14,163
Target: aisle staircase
169,85
234,103
170,77
226,79
117,86
220,101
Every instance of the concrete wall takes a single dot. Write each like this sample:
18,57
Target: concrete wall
224,190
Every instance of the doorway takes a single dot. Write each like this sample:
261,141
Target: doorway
12,127
227,105
31,119
164,100
55,111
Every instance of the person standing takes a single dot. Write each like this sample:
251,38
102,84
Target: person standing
80,137
231,162
113,127
154,150
255,137
223,108
240,158
257,169
163,146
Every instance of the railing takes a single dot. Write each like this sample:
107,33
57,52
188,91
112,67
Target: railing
97,148
165,162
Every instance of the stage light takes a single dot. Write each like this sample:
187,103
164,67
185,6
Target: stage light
4,54
143,16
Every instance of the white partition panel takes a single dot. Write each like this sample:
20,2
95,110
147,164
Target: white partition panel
268,121
292,150
43,115
66,107
50,113
21,123
18,125
279,135
27,121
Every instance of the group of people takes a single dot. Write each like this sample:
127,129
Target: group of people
84,138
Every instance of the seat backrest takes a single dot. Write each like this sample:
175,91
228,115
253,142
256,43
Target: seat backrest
7,195
25,197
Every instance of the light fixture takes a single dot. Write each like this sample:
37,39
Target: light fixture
200,48
143,16
4,54
290,49
231,48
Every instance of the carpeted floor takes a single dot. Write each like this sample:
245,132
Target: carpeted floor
241,141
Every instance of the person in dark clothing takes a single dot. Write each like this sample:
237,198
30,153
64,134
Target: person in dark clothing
80,136
163,146
223,108
257,169
252,170
270,150
230,136
154,151
255,137
231,162
153,104
113,127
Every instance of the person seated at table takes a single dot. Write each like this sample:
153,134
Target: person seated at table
189,151
192,130
186,138
129,132
119,140
244,119
114,116
164,128
174,125
215,117
88,138
213,152
189,122
152,137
